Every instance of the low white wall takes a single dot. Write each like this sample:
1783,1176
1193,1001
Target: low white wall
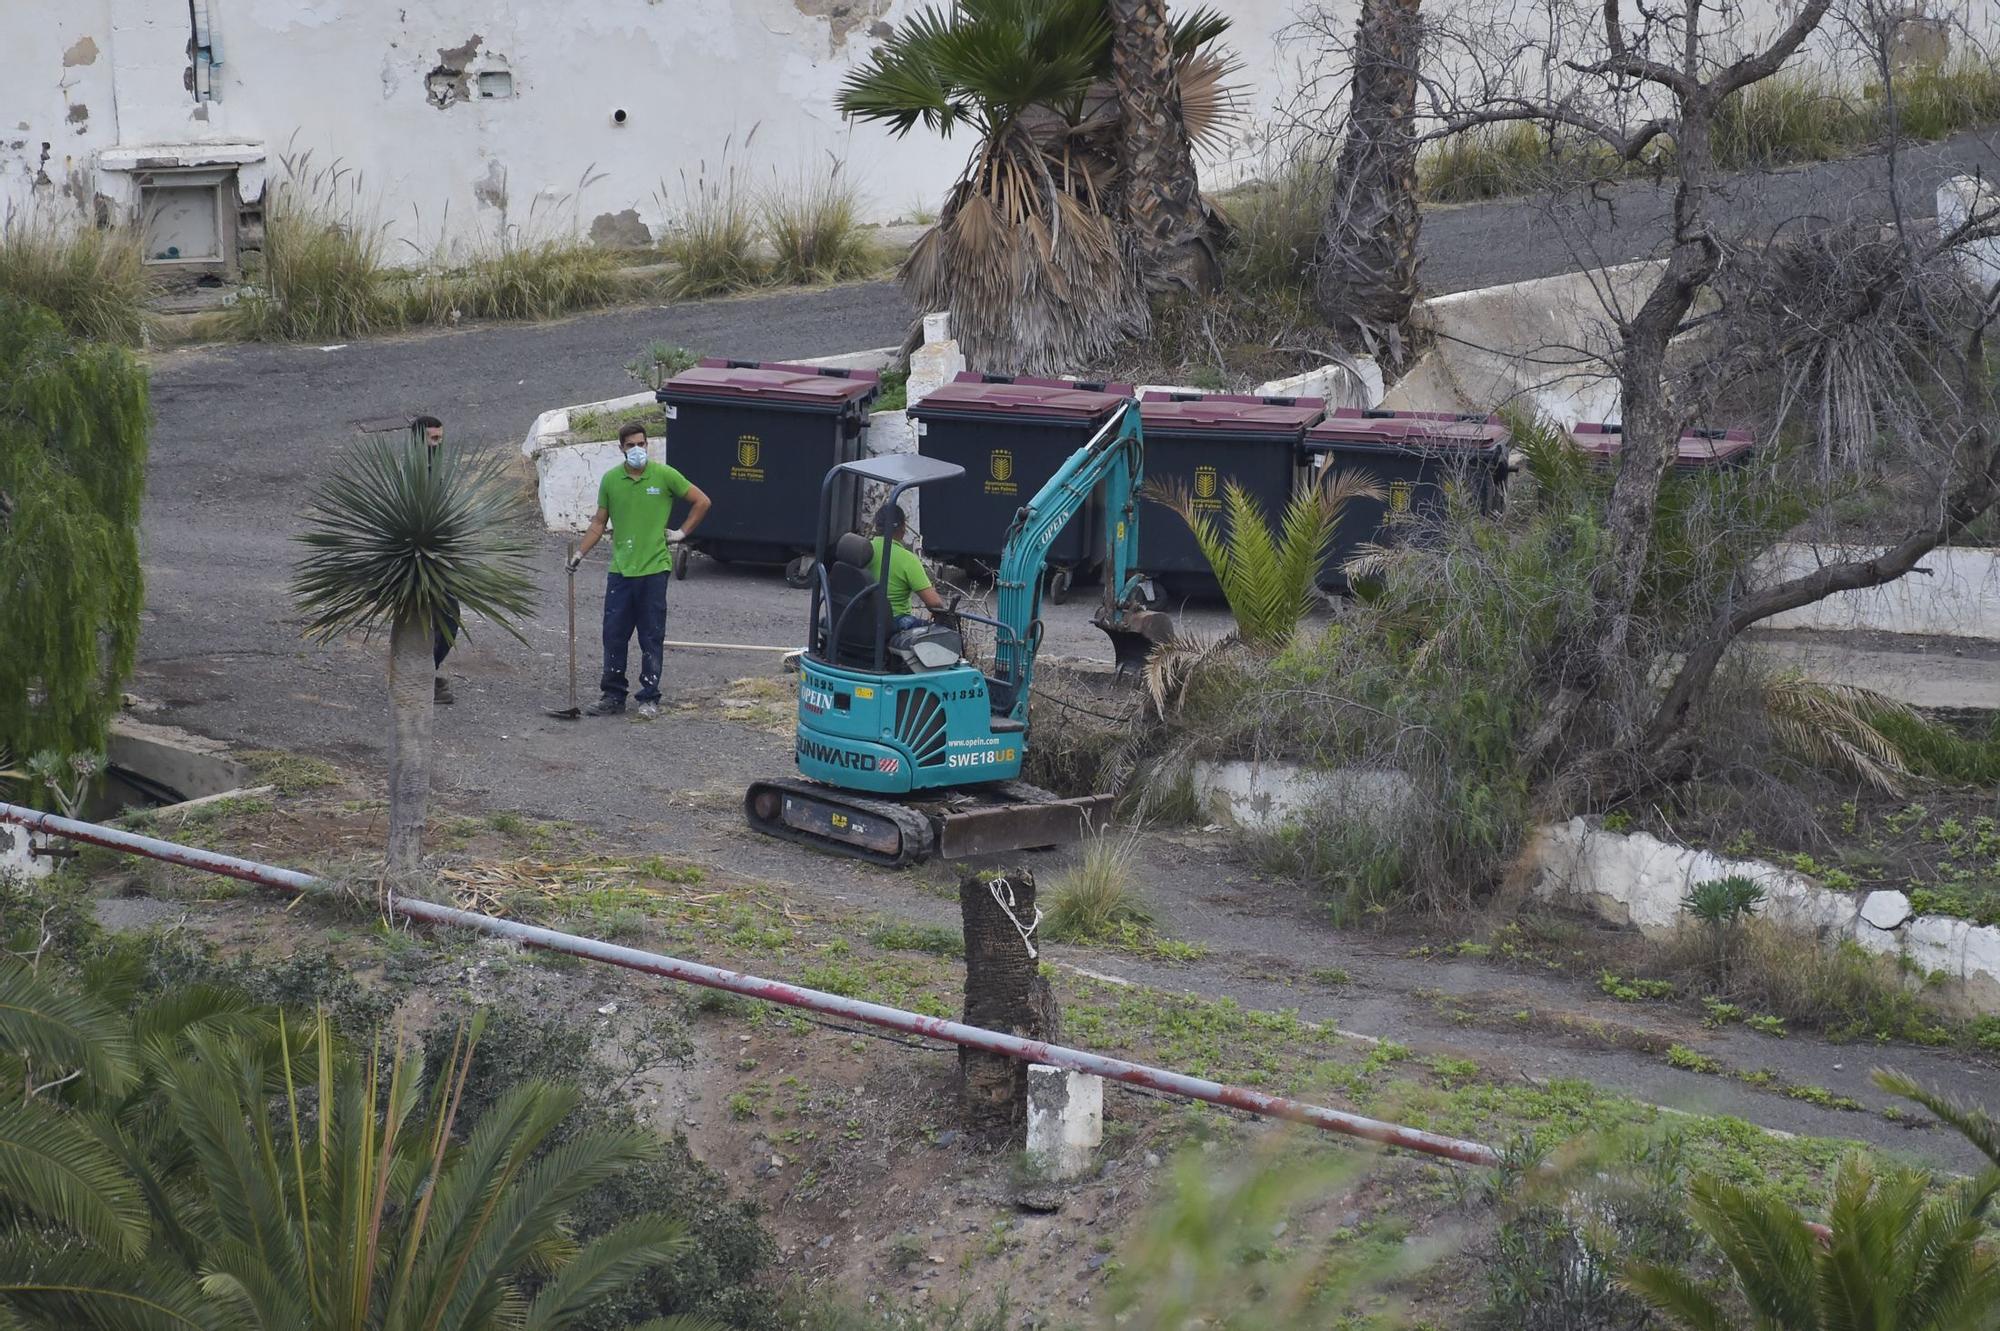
1957,200
1959,597
1638,880
1262,797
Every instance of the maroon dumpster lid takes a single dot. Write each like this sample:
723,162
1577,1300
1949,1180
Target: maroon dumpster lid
993,394
1697,447
1410,429
773,381
1237,413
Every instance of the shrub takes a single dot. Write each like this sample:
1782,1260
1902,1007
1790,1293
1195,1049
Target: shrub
814,227
713,235
325,272
534,279
1277,228
1096,897
93,280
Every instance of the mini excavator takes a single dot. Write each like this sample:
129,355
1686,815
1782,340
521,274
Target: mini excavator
906,749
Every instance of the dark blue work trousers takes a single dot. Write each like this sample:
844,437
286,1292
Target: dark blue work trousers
634,603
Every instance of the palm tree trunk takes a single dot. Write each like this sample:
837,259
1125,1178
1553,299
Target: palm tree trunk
1368,245
409,745
1162,192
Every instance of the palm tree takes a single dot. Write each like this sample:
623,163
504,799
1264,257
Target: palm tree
1270,579
1031,252
1895,1256
1367,283
1163,199
399,533
204,1166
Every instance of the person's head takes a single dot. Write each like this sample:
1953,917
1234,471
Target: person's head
632,443
430,429
895,521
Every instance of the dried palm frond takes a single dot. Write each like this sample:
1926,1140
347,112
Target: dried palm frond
1172,667
1833,725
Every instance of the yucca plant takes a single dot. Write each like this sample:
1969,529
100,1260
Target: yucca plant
1030,253
1270,578
398,534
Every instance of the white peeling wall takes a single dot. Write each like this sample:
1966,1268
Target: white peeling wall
460,117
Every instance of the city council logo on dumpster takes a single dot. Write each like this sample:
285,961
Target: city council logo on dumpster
749,452
1399,496
1206,483
1000,470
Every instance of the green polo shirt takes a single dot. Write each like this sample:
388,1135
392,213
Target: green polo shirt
640,508
906,575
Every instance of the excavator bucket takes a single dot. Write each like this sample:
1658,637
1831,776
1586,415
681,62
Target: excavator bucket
1134,634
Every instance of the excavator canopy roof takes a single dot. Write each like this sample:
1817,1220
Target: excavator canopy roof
903,469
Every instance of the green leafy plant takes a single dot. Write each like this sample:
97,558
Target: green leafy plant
1720,906
659,362
401,537
1270,578
68,780
74,422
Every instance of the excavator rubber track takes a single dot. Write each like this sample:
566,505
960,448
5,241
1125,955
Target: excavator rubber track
1010,816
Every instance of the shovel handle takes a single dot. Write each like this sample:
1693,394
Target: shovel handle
570,565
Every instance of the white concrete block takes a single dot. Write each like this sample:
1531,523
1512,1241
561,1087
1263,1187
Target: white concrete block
1265,796
893,432
1065,1120
1341,386
932,366
1958,200
1885,910
566,478
875,358
937,326
1937,943
15,861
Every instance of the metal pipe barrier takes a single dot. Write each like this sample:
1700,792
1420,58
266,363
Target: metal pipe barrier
777,991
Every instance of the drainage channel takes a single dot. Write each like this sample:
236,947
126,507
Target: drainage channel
777,991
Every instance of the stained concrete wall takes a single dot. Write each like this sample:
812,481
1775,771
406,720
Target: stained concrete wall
460,117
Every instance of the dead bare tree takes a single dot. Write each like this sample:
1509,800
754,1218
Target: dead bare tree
1870,335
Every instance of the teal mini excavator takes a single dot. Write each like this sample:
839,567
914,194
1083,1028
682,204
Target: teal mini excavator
906,749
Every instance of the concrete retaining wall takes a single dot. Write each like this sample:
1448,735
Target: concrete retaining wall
1959,597
1639,881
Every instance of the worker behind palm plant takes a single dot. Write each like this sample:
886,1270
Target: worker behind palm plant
444,633
637,498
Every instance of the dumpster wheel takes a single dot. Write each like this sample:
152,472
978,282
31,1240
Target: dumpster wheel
799,573
1059,584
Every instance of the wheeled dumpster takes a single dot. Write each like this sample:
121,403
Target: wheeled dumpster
758,438
1411,456
1199,444
1698,450
1011,435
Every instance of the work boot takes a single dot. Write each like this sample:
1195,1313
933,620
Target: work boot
607,706
648,710
441,691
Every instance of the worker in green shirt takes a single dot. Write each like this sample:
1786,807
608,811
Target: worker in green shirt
637,499
906,575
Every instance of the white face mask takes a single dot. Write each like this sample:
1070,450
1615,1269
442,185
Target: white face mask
635,457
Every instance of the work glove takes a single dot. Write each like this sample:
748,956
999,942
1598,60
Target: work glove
675,536
574,562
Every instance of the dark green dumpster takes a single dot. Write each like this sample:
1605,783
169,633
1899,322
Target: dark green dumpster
1411,456
1201,443
1011,435
759,438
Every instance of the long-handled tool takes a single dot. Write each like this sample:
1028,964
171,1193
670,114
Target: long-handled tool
571,713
